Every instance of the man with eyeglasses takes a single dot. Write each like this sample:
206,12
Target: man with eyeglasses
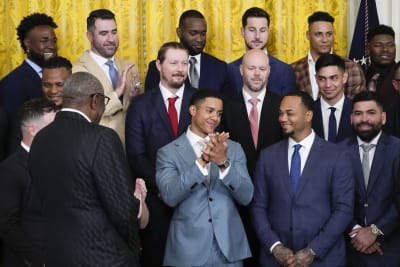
90,205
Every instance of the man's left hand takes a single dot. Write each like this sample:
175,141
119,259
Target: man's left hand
304,257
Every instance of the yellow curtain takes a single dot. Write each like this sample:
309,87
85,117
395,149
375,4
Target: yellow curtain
144,25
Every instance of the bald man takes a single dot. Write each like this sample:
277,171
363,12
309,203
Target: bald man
254,128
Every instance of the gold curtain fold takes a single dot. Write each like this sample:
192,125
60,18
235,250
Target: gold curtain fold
144,26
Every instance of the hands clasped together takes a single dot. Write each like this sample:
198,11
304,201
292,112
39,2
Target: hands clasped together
216,148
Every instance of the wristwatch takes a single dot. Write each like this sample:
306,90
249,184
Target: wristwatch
375,230
225,164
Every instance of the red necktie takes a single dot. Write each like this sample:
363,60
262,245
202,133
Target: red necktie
173,115
253,118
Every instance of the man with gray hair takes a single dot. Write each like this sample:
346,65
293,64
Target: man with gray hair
84,183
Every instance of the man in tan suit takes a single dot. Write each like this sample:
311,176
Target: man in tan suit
100,60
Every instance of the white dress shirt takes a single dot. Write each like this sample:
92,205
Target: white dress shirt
249,106
326,112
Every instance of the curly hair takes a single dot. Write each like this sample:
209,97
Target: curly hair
30,22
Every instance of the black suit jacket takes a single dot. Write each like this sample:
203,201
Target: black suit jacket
20,218
86,190
213,75
344,130
3,133
236,122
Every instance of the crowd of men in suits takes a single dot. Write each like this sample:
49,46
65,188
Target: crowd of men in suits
251,163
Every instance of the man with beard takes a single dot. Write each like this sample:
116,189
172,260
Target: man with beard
205,71
251,118
39,42
374,233
331,119
382,53
112,72
304,193
153,120
255,30
321,36
55,72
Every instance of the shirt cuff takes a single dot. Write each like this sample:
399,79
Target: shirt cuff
223,173
274,245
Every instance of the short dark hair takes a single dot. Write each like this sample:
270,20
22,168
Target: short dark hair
320,16
30,22
306,99
368,96
191,13
201,94
58,62
98,14
254,12
169,45
34,109
326,60
78,86
380,29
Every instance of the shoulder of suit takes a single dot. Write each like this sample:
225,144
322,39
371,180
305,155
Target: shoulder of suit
236,62
208,57
300,63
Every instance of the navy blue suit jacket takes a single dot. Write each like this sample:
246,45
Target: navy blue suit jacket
20,215
317,215
376,203
20,85
147,129
213,75
345,130
281,79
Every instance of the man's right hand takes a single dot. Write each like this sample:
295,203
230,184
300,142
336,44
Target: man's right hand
284,256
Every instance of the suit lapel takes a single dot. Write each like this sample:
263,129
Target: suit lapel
265,119
345,124
158,104
184,115
318,124
282,156
311,164
377,162
355,156
243,119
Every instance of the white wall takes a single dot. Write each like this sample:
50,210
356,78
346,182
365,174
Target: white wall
388,13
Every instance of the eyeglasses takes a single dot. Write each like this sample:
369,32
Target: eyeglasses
106,98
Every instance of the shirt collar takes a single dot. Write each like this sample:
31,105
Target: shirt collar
194,138
260,96
306,142
167,93
373,141
77,111
99,59
34,66
338,105
25,146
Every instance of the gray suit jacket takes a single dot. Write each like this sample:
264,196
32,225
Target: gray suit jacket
202,211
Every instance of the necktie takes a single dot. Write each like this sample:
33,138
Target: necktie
253,118
173,115
373,82
194,75
365,162
332,126
112,71
295,168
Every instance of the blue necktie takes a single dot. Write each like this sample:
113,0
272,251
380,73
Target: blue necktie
112,71
332,126
295,168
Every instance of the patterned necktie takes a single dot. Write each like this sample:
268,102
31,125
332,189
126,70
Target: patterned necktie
173,115
194,75
253,119
373,82
332,126
295,168
112,71
365,162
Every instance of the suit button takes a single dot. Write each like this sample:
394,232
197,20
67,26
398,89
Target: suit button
365,205
209,220
211,199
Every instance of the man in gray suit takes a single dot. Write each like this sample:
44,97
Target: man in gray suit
203,175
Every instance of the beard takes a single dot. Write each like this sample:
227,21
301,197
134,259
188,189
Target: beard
367,135
38,58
